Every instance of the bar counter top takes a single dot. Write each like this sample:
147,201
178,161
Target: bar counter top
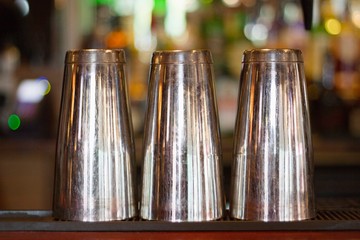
254,235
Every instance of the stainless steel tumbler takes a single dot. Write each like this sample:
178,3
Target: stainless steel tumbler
182,175
272,175
94,176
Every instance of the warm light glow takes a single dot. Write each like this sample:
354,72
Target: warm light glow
355,18
175,20
116,39
333,26
124,7
232,3
143,38
192,5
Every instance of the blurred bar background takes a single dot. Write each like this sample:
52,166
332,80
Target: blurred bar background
35,34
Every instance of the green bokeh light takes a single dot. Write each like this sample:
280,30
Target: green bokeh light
14,122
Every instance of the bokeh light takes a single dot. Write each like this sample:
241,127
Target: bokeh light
33,90
355,18
14,122
292,13
257,33
23,6
46,85
232,3
175,20
333,26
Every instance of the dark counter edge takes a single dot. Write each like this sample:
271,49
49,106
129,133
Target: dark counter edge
144,226
42,221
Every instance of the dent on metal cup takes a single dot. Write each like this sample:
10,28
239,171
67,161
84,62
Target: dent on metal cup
182,175
94,176
272,175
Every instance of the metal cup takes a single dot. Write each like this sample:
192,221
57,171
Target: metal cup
272,175
182,178
94,176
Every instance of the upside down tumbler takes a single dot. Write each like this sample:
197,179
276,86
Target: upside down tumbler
94,175
272,175
182,150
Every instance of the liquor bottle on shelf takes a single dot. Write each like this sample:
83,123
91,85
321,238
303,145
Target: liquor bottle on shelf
337,107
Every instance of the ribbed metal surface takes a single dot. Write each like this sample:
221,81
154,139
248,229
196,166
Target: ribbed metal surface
181,171
95,157
272,171
338,215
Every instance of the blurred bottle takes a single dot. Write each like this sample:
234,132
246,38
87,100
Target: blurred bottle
347,76
9,61
330,111
212,30
102,27
335,106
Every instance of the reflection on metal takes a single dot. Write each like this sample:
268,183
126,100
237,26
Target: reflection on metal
272,177
182,150
94,178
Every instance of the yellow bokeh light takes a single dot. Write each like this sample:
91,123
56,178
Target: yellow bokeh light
333,26
48,88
